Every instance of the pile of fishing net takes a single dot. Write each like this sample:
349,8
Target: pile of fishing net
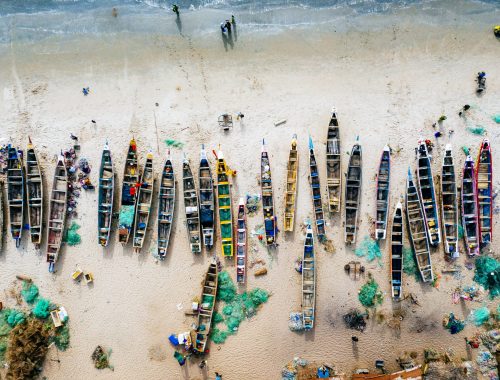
171,143
369,248
236,307
487,274
101,358
455,325
410,264
477,130
479,316
28,345
72,237
355,320
296,323
29,292
370,295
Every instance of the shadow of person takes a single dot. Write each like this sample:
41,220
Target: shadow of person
178,22
230,38
235,33
225,40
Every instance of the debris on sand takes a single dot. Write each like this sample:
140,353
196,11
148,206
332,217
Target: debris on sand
101,358
355,320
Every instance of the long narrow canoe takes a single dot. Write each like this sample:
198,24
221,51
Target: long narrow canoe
291,186
131,178
105,197
34,194
207,205
319,215
428,194
224,205
469,208
144,200
397,253
333,165
1,216
416,229
308,281
383,183
57,213
449,204
206,309
191,207
484,183
15,193
353,194
166,206
241,243
266,186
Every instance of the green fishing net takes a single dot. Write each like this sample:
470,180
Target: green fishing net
41,309
487,274
29,292
466,150
480,316
454,325
410,264
460,230
226,291
370,294
174,143
496,118
72,236
369,248
61,339
126,216
14,317
236,307
478,130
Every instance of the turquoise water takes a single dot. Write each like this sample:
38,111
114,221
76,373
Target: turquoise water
32,20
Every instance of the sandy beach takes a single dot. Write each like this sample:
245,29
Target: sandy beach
390,77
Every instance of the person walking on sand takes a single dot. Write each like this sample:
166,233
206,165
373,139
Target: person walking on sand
175,9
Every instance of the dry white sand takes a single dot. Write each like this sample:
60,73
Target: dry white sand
388,86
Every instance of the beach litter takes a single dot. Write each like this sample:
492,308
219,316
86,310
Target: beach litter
236,307
101,358
455,325
296,323
260,272
369,248
487,364
252,203
487,274
171,143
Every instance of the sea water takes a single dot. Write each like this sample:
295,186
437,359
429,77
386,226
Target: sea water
32,20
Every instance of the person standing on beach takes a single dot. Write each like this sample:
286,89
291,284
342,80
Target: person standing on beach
175,9
233,20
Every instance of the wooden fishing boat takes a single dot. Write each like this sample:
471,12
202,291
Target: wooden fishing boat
57,213
224,205
131,179
416,229
470,217
484,191
319,215
449,204
105,197
206,308
241,243
291,186
397,253
428,194
383,183
207,206
144,200
353,193
266,186
15,193
166,205
1,216
191,207
34,194
308,281
333,165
